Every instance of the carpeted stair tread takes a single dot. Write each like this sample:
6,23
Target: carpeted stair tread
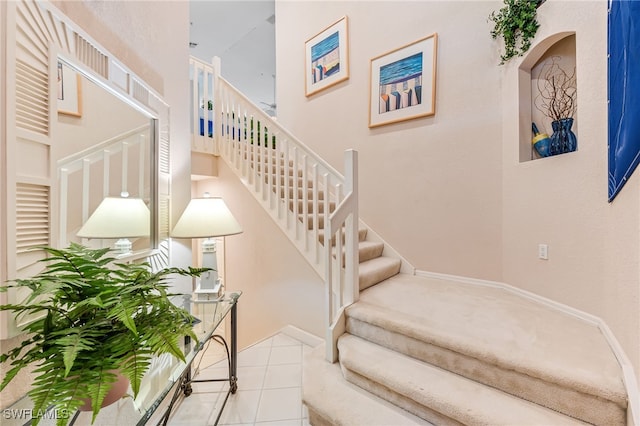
362,234
377,270
300,193
502,337
435,394
369,250
273,179
310,207
310,219
331,400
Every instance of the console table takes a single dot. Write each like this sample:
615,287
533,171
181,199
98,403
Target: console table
204,330
166,377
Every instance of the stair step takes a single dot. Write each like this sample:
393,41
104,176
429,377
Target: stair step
331,400
434,394
498,338
367,250
274,169
283,191
301,183
377,270
261,160
310,218
332,206
362,234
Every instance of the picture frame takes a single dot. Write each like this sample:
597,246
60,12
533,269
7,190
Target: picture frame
327,57
403,83
69,91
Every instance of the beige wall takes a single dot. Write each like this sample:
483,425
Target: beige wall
447,215
562,201
449,192
279,287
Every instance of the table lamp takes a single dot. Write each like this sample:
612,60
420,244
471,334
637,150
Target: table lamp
118,217
207,217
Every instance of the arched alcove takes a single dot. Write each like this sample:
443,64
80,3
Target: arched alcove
558,50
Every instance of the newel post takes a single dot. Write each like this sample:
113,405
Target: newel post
352,279
348,288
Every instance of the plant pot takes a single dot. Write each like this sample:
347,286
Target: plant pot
118,389
563,139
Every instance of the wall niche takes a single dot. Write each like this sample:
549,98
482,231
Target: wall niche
548,91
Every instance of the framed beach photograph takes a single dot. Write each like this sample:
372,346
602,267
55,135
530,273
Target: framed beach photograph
69,91
403,83
326,58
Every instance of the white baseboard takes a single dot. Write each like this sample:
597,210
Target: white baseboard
630,381
301,335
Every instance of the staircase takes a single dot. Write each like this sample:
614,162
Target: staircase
453,353
411,349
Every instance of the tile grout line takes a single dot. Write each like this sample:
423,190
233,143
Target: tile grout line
264,378
268,369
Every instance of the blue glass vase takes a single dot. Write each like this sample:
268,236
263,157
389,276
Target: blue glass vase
563,139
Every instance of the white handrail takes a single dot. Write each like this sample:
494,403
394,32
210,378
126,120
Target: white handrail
315,205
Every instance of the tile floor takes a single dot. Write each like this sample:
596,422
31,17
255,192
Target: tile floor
269,387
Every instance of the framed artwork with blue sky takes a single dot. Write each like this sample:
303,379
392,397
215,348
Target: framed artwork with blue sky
403,83
327,58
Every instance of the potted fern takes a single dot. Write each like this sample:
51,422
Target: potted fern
95,320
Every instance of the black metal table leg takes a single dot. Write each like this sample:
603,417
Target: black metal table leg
233,373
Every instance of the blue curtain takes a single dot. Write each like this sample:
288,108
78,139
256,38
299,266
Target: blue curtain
624,92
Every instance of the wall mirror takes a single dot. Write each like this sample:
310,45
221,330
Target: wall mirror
105,149
50,177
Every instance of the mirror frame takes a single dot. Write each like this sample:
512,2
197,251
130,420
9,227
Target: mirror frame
95,63
153,118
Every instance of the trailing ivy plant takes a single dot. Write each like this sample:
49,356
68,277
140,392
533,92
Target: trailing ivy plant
516,23
93,316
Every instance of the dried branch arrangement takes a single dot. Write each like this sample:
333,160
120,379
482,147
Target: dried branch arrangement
557,91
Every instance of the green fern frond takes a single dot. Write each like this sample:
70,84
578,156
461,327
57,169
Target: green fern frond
99,387
134,367
94,316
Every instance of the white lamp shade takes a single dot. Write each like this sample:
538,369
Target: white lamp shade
204,218
118,217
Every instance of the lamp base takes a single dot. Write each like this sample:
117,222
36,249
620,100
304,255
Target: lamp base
123,246
212,294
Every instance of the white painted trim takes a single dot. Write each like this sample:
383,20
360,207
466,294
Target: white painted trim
628,374
301,335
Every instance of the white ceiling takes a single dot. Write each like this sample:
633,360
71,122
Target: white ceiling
242,34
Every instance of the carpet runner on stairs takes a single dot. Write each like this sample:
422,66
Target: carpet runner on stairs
455,353
334,401
417,386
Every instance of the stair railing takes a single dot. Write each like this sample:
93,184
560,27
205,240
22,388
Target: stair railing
315,206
